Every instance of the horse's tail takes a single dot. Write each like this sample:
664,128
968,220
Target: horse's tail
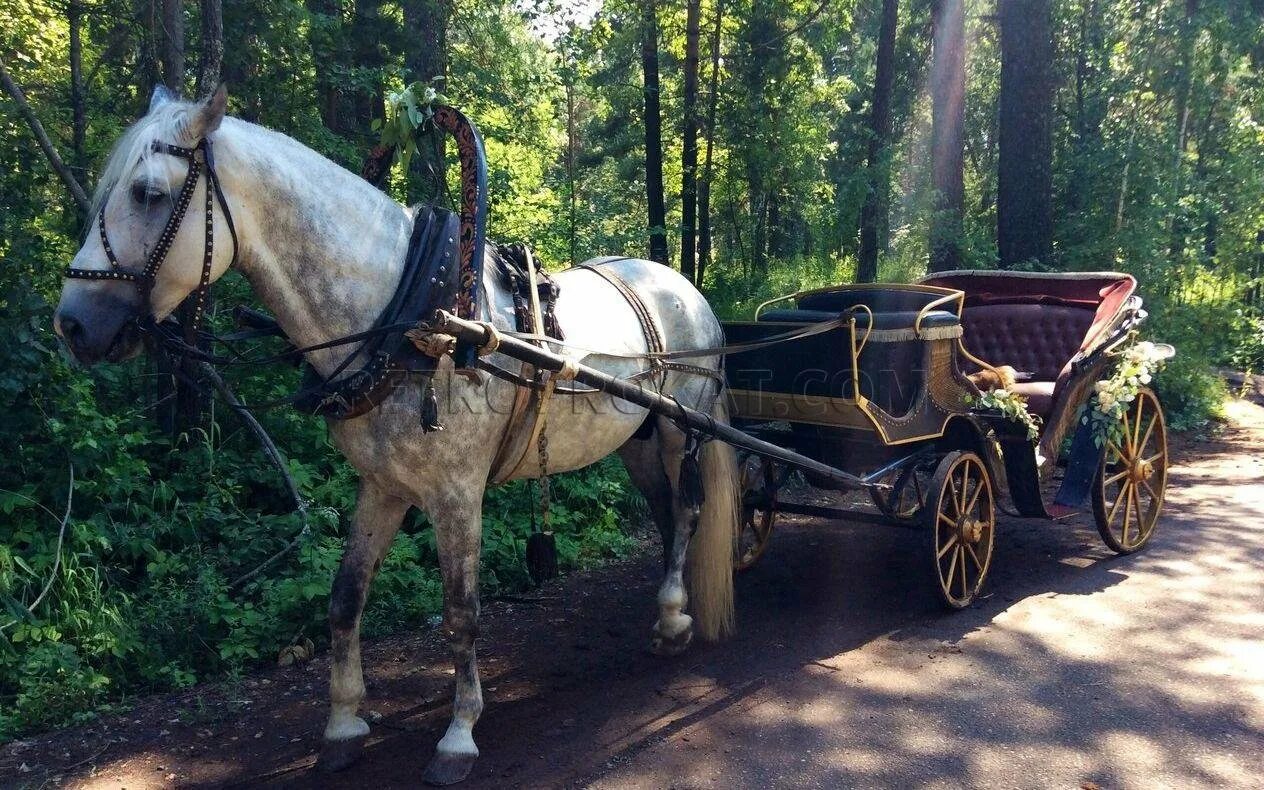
711,550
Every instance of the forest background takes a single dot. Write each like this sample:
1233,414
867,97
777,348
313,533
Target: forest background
760,146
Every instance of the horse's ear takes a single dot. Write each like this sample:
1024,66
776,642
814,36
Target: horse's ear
210,112
161,95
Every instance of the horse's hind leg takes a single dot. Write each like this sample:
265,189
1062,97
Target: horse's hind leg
645,467
458,523
654,466
377,519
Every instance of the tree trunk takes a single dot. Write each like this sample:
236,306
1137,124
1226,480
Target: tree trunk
1178,223
948,93
426,60
1024,207
326,57
873,217
171,48
46,145
211,62
657,211
78,115
689,146
704,185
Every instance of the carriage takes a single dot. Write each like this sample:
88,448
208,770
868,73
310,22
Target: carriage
890,394
870,388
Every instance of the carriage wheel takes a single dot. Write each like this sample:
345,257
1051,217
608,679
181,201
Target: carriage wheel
1132,478
759,482
962,518
907,497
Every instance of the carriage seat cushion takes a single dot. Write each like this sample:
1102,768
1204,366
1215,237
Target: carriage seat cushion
1039,395
1036,339
902,319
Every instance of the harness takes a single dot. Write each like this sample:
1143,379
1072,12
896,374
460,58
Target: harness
144,279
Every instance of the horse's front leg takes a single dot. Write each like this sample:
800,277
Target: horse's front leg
458,525
377,519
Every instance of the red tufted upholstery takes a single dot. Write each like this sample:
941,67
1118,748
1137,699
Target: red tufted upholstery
1035,339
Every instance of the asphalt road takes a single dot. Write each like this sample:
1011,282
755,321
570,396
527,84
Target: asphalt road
1079,669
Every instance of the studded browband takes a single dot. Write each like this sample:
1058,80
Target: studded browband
144,279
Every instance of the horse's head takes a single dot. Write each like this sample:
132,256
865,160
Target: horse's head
113,285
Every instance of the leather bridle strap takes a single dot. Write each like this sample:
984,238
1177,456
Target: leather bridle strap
144,279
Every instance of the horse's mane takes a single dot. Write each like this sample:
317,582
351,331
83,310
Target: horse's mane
167,122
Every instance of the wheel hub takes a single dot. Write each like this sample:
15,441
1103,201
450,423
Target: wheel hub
969,530
1140,471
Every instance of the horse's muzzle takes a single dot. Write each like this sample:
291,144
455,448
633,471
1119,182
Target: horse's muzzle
103,328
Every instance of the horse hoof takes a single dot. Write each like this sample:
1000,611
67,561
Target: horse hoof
668,646
448,769
337,755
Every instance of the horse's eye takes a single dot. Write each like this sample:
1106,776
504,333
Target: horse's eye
145,194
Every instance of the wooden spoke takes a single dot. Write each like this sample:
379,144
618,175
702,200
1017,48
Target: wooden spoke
1153,494
974,500
1127,513
1156,457
759,513
1115,478
1136,432
965,590
952,485
948,545
951,524
1123,489
1110,445
1149,432
974,556
952,571
965,488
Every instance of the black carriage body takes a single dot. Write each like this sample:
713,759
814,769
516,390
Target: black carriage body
864,394
891,383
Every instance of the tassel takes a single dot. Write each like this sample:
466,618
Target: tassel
541,557
541,545
430,410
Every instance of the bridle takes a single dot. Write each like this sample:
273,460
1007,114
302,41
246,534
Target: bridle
144,279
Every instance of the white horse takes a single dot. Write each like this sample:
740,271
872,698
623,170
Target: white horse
324,250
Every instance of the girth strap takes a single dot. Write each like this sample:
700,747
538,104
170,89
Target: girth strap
526,399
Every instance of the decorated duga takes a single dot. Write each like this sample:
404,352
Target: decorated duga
446,364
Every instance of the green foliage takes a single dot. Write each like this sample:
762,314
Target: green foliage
161,525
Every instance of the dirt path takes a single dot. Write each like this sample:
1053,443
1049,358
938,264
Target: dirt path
1078,668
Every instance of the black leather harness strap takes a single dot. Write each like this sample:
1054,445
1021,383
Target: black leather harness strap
145,278
649,327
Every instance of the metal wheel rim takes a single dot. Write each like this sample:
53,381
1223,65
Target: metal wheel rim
964,528
1132,481
755,531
